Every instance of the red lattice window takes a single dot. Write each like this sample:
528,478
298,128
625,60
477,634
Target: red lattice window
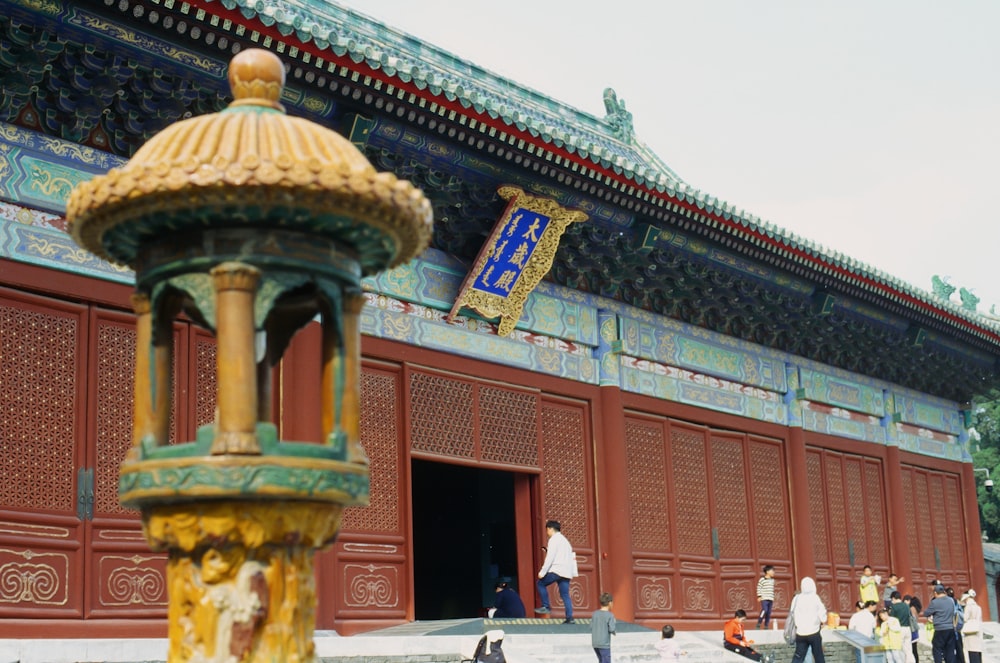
729,488
206,387
508,424
39,392
939,519
649,511
835,506
565,474
956,522
687,449
910,508
769,507
114,396
381,441
441,415
878,549
857,510
817,507
924,523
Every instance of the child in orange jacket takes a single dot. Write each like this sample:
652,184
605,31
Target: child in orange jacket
736,639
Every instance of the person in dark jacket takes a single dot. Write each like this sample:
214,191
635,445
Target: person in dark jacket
507,603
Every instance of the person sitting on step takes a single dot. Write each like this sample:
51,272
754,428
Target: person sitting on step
735,638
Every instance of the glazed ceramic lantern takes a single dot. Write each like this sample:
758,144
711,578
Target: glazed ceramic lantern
252,223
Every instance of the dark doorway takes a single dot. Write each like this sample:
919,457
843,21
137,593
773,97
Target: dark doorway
463,538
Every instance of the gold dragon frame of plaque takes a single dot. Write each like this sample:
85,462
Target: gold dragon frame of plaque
518,283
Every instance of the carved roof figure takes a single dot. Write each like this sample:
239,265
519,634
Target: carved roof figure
941,287
969,300
618,118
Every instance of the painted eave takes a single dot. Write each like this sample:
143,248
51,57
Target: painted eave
569,134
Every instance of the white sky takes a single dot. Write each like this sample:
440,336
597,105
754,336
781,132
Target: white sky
870,127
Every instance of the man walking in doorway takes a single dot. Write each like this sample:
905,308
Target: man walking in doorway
559,566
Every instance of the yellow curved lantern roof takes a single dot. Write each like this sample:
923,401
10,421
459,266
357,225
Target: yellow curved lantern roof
251,165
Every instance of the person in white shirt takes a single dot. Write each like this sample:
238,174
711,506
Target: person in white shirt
559,567
810,616
863,621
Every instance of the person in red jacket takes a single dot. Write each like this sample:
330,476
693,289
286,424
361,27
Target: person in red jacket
736,639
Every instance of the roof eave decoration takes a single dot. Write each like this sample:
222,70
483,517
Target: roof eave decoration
515,258
332,28
576,140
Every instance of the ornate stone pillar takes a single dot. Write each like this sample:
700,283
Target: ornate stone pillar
241,577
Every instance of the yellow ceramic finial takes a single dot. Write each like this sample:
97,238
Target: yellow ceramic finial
257,77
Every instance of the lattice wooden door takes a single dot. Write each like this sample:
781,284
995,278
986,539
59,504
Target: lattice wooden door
67,548
42,428
936,525
708,508
567,492
849,529
123,576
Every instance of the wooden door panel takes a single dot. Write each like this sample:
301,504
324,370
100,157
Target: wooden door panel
730,499
933,504
567,494
650,516
721,495
848,530
41,566
691,495
124,579
68,549
42,410
366,575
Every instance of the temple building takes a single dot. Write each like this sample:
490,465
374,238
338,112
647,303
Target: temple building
692,392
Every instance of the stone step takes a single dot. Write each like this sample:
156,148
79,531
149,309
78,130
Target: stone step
418,643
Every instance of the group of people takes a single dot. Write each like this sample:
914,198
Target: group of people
894,620
807,611
559,567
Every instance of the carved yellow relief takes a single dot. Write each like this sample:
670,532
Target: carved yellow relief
241,578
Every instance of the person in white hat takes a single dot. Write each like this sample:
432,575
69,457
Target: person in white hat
972,630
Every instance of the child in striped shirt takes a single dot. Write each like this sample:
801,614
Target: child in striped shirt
765,594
